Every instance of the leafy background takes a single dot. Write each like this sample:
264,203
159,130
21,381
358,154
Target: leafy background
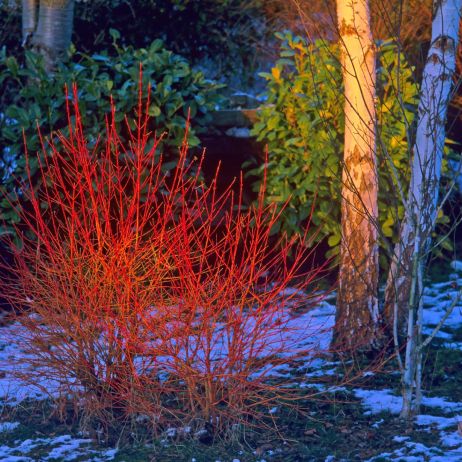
303,126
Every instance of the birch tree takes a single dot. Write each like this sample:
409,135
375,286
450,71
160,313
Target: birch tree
29,19
357,316
403,296
47,27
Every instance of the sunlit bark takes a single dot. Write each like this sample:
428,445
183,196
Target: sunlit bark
357,318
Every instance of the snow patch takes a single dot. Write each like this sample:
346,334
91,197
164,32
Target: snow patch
379,401
8,426
438,421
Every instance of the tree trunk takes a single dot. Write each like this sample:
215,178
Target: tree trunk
53,34
421,208
29,19
357,317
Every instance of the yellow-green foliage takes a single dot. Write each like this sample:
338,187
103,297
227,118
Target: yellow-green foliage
303,126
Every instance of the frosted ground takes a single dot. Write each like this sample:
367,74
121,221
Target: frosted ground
442,417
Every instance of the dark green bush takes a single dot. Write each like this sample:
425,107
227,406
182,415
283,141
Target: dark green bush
36,98
227,33
303,125
10,25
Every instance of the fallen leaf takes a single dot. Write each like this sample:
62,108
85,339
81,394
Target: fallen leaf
262,449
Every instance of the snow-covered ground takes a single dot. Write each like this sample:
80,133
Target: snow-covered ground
436,299
63,447
446,419
377,401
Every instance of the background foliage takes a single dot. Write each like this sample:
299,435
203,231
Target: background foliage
223,34
36,99
225,31
303,127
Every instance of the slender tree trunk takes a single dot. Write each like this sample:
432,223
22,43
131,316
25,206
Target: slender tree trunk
53,33
29,19
357,318
421,208
404,290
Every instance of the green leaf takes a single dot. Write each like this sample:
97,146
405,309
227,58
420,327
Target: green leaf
12,65
154,111
114,33
98,57
334,240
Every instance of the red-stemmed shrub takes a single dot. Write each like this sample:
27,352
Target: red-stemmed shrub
145,294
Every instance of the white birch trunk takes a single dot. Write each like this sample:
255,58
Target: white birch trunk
357,315
421,208
404,286
29,19
53,34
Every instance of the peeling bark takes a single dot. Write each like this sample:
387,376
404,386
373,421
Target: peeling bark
404,290
357,317
421,208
